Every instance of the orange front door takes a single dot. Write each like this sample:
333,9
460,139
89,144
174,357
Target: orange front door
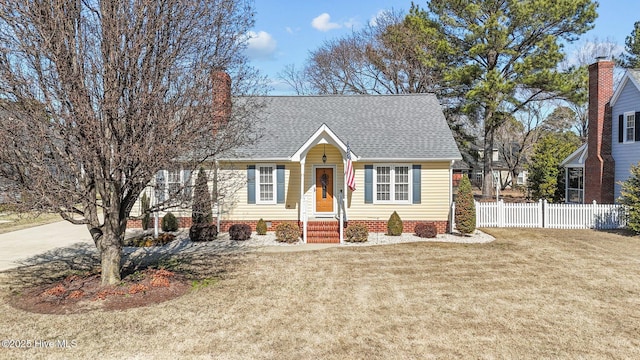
324,190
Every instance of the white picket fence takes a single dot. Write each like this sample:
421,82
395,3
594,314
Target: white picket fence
545,215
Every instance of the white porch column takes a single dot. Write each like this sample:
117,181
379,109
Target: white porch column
344,198
303,204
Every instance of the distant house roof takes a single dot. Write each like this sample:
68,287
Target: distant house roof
377,127
460,165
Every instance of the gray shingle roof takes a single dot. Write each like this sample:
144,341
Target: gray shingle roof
376,126
635,73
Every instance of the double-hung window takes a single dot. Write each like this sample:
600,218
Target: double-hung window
265,184
174,184
630,127
392,183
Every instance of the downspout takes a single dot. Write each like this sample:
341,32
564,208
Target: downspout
216,164
303,205
451,215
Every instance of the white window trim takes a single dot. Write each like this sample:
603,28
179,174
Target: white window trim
578,190
182,183
259,200
625,129
392,184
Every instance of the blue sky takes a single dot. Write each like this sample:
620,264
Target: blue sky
285,30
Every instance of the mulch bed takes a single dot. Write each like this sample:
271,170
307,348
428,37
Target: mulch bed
81,293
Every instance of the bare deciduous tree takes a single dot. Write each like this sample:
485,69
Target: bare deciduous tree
386,57
99,95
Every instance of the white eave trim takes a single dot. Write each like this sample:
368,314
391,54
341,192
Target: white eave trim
260,160
577,158
323,135
396,160
627,76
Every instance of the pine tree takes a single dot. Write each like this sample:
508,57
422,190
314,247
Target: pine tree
630,196
465,214
201,209
632,45
504,54
546,177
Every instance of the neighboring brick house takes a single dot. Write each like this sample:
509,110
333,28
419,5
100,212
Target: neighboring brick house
596,169
401,147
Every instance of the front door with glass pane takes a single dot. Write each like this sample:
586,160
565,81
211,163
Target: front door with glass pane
324,190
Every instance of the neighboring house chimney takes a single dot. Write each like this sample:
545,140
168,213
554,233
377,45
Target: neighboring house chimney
221,82
599,165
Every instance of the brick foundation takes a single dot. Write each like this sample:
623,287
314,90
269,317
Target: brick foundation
374,226
183,222
380,226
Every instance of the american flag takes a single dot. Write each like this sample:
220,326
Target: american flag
351,179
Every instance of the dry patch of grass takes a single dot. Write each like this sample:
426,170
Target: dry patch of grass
529,294
11,221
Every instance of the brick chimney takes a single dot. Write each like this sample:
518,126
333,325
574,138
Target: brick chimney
599,165
221,83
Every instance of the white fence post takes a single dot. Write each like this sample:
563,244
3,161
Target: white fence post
540,214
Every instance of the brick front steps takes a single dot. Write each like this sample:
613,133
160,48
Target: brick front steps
323,232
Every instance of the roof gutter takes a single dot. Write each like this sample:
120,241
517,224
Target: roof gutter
409,159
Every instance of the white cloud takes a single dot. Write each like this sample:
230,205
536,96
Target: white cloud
291,30
352,23
380,14
260,45
323,23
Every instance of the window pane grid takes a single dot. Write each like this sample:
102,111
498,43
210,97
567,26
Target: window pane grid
266,183
383,187
631,127
392,183
402,183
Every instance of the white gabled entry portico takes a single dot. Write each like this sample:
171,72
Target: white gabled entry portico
323,192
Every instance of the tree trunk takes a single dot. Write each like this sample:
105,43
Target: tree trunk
109,239
487,181
110,260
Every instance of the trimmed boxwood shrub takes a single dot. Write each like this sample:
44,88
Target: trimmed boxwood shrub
426,230
240,232
287,233
261,227
394,225
169,222
356,233
203,232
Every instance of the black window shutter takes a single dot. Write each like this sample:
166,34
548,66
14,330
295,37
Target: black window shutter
368,184
621,128
280,183
251,184
637,134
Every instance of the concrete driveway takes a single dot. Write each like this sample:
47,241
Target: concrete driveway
18,246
